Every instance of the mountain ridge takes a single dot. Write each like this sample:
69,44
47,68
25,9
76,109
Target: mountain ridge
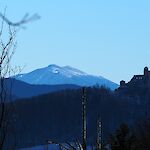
56,75
19,90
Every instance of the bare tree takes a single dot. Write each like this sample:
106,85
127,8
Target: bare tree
77,145
84,123
7,49
6,53
99,134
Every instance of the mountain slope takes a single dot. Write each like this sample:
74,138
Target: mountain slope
53,75
19,89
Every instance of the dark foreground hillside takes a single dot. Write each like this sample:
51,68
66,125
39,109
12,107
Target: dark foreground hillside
58,116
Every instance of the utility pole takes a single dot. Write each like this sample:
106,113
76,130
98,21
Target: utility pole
84,127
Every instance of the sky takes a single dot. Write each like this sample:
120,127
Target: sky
100,37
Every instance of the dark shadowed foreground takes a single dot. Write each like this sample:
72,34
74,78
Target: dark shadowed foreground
58,117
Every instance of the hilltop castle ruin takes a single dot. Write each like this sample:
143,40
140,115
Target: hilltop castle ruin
137,82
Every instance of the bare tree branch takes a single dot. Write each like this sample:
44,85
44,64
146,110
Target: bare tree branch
27,18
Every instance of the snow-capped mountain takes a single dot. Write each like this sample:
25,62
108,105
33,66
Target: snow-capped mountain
54,75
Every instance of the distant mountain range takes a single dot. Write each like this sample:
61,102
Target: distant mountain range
56,75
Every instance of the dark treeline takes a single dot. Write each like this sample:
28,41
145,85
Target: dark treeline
58,117
135,138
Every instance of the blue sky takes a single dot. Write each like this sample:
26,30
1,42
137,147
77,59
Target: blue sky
100,37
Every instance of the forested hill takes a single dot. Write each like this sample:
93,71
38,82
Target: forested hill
18,89
57,116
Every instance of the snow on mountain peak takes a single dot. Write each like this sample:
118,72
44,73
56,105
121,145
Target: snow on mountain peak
74,71
65,70
55,71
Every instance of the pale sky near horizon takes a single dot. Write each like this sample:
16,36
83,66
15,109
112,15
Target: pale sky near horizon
100,37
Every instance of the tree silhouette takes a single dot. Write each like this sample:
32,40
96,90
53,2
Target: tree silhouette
123,139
